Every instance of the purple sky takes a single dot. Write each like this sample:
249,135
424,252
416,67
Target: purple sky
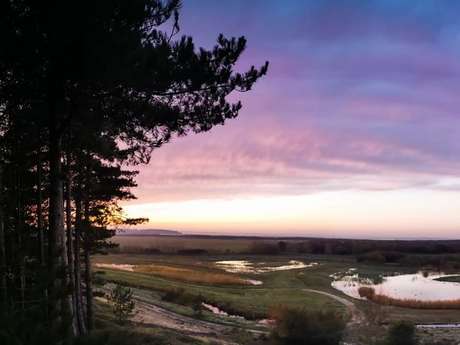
361,97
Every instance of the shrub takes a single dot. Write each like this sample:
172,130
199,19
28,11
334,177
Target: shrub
366,292
98,278
302,327
121,299
180,296
401,333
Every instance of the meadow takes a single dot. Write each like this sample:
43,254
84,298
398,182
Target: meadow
284,287
182,284
172,244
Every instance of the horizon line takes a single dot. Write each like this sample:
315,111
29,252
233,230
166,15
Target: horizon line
293,235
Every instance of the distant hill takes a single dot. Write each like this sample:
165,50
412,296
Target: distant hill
148,232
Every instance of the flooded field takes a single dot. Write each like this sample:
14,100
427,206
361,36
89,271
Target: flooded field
182,273
170,289
243,266
419,286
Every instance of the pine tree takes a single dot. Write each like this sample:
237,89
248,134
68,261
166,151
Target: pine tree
98,83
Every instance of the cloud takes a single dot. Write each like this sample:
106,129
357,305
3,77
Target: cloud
265,160
359,95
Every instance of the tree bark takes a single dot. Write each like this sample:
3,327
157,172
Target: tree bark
70,244
88,275
3,286
60,303
78,291
41,237
19,231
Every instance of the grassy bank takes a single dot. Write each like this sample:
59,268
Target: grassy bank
452,279
369,293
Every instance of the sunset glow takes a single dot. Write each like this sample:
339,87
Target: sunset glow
383,214
353,133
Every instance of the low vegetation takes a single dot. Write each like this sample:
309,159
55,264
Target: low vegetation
180,296
252,302
453,279
369,293
136,336
122,302
192,275
401,333
302,327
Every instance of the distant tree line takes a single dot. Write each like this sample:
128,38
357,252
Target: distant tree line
357,247
88,89
437,254
444,253
392,250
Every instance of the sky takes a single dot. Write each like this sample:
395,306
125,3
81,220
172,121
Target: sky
354,132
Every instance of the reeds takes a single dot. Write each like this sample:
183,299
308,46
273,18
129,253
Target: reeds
191,275
369,293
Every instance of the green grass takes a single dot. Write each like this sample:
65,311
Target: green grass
452,279
282,287
253,302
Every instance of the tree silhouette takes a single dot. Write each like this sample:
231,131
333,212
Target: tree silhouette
87,88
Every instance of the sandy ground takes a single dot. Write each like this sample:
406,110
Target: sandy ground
151,314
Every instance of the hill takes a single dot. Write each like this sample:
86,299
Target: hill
148,232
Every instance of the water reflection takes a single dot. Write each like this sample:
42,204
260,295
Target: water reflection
419,286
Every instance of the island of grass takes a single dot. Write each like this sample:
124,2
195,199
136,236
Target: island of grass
451,279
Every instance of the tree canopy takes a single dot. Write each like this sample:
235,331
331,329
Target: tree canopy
87,90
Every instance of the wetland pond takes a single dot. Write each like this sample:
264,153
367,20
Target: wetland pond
422,286
244,266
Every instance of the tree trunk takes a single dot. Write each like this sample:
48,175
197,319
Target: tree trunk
60,300
41,237
78,292
89,291
19,230
88,277
70,245
3,285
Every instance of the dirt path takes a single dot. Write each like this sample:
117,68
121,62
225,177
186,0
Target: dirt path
151,314
357,320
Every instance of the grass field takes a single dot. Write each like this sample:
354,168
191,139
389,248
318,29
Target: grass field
455,279
195,275
198,277
170,244
283,287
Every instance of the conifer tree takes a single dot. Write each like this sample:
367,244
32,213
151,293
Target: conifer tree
90,82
